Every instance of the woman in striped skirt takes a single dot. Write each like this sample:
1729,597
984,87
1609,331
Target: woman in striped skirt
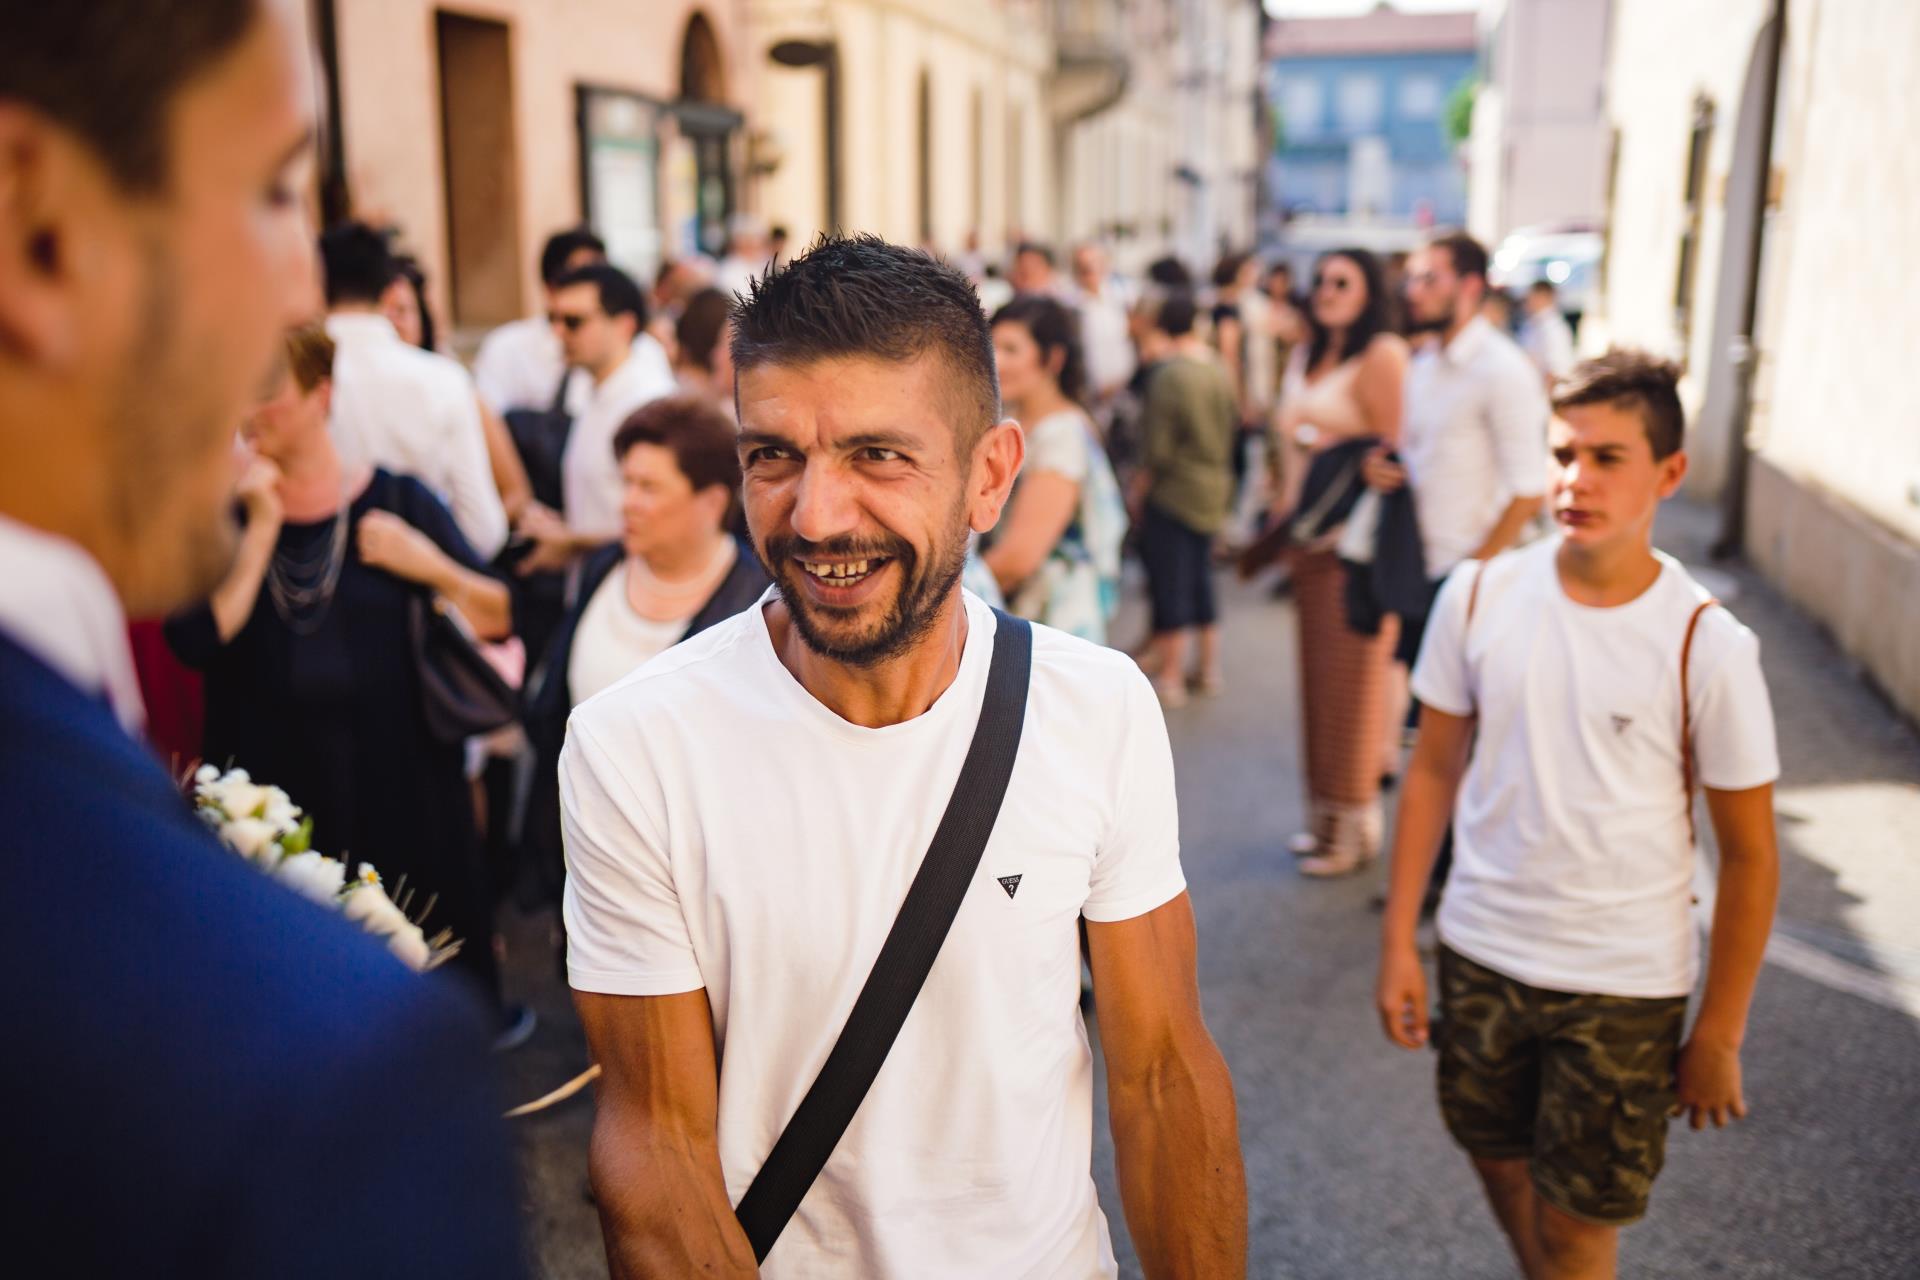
1343,384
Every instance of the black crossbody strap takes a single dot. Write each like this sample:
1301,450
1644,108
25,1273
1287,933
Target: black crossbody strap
908,954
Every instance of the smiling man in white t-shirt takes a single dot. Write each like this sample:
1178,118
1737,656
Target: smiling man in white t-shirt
743,817
1603,683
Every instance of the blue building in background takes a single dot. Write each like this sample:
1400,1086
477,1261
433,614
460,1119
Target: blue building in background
1360,109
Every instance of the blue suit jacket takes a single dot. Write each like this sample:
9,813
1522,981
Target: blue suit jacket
201,1073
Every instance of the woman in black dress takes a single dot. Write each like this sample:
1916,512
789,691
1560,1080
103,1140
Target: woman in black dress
311,682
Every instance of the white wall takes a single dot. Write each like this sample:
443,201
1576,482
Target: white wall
1840,322
1663,54
1554,75
884,45
1834,486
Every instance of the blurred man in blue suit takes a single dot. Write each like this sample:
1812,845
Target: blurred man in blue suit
203,1075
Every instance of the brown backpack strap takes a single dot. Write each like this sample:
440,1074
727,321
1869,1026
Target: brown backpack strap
1686,718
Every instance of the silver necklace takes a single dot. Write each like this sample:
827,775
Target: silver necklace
302,586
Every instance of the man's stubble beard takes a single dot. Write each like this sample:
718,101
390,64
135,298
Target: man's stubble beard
914,609
176,546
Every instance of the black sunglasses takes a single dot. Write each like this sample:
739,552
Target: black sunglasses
1339,284
571,323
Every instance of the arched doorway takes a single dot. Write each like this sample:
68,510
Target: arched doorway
711,128
702,72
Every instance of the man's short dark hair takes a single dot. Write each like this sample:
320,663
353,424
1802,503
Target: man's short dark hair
1177,313
1542,286
109,72
1634,381
619,295
1468,256
702,439
358,262
1170,273
1228,269
1035,247
560,248
860,296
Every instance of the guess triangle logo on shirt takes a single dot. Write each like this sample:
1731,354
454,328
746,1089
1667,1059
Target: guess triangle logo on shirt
1010,883
1621,723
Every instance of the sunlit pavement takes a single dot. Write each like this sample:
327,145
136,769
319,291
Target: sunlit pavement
1350,1172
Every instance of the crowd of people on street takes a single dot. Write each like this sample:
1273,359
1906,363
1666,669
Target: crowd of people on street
515,631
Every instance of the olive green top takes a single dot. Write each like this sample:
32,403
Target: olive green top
1188,425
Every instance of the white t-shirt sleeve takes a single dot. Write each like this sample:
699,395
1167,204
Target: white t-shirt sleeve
1734,746
1058,443
1517,413
626,933
1441,679
1137,866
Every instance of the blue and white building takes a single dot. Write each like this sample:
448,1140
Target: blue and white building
1359,112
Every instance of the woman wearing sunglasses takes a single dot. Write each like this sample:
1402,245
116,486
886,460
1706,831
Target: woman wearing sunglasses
1343,384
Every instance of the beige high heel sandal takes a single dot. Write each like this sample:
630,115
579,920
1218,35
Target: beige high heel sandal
1353,842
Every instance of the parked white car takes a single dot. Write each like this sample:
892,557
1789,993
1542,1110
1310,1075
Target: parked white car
1570,259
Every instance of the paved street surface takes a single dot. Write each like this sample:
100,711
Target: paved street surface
1351,1174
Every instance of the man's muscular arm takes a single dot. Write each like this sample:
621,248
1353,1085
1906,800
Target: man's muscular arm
1169,1098
655,1157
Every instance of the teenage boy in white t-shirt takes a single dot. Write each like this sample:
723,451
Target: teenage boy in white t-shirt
1571,695
743,816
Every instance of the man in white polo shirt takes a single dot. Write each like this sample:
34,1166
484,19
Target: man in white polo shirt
520,364
395,405
598,312
744,814
1473,442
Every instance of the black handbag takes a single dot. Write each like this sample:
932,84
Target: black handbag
540,438
907,956
460,692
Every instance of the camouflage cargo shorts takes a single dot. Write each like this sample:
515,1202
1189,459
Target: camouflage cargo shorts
1577,1085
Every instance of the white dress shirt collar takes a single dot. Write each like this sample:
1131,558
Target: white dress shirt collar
1467,343
56,602
361,326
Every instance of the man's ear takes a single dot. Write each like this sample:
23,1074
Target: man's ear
996,464
1673,471
39,185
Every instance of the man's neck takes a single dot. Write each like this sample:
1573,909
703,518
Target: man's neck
355,309
1457,327
888,693
1612,573
611,367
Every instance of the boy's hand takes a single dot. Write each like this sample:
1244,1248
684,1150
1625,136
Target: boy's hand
1401,997
1709,1084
